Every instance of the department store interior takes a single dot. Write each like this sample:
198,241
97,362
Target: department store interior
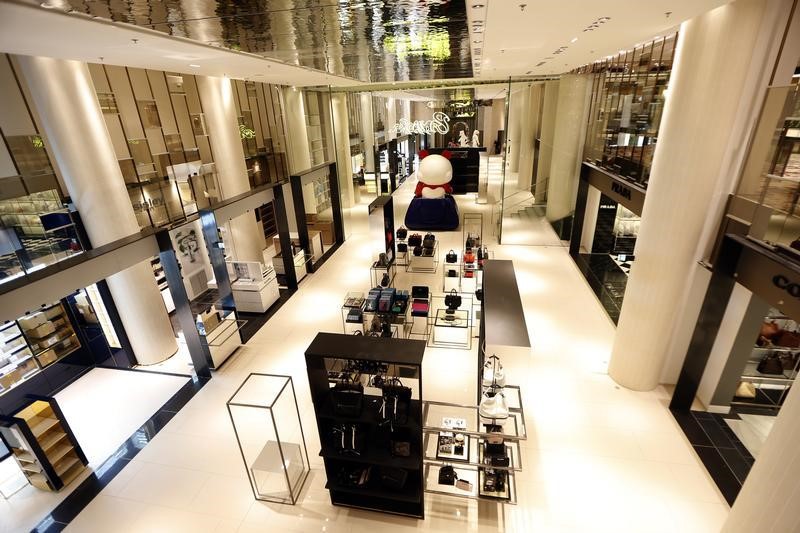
438,265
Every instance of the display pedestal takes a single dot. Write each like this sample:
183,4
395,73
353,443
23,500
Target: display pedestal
266,421
451,329
255,297
222,336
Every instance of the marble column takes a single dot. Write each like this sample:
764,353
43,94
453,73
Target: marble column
703,104
65,101
546,131
297,132
341,131
368,131
244,239
568,137
516,108
529,126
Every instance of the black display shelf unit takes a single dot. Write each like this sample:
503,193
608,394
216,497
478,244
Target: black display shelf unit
326,357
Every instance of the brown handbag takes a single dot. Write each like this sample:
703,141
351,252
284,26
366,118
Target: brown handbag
787,339
769,330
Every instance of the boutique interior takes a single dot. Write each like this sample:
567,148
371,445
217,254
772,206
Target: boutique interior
390,305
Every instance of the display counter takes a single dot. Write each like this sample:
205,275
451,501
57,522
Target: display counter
254,294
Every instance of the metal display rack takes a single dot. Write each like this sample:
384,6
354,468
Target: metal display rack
473,469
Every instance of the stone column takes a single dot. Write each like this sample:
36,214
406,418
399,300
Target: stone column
568,137
368,129
516,107
550,105
702,107
529,126
341,132
66,103
297,132
245,239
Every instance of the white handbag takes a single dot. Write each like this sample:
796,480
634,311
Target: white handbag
493,405
493,373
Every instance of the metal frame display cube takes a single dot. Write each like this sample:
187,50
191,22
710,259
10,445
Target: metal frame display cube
276,460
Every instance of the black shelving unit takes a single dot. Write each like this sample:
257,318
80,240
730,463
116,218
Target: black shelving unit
326,357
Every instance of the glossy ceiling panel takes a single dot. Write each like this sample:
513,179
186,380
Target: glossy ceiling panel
368,40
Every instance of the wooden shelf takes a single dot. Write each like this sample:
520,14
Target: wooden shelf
57,453
65,464
39,426
72,473
51,440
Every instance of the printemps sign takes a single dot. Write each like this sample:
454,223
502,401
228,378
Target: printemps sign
440,123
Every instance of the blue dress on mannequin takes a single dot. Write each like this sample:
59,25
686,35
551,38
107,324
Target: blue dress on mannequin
432,214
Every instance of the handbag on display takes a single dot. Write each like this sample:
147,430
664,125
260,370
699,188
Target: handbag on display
420,291
493,405
420,307
402,248
415,239
427,252
418,251
745,390
451,257
451,273
469,256
400,443
479,294
385,280
770,364
355,477
348,439
483,255
429,240
402,232
348,397
355,316
469,274
452,300
493,373
447,475
382,261
396,401
787,339
470,243
393,478
494,480
769,330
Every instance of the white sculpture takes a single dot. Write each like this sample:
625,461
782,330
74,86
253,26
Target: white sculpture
476,139
434,174
463,141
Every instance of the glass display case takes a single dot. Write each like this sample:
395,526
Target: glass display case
266,420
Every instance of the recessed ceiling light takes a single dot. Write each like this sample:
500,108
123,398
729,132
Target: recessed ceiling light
477,41
477,6
193,65
574,39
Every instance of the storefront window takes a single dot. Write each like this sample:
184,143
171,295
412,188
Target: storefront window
771,176
36,230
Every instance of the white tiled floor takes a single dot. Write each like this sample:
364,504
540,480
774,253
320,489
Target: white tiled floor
752,430
103,407
598,457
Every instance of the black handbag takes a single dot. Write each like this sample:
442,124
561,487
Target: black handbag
402,232
355,477
451,257
400,443
396,401
447,475
452,300
495,455
348,439
770,364
452,273
402,248
417,250
479,295
420,291
428,241
348,398
385,280
393,478
415,239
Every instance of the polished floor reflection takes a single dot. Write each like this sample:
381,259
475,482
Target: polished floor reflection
369,40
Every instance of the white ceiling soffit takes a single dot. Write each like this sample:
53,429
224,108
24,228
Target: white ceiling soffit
27,29
514,40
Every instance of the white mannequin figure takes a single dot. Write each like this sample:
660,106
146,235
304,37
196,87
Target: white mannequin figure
463,141
476,141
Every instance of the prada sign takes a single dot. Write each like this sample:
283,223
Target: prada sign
623,192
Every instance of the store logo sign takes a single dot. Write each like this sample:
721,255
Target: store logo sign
622,190
439,124
784,283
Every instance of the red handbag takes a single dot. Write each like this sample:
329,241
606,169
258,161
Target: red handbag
469,257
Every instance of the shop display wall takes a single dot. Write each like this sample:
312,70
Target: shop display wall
627,102
262,130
